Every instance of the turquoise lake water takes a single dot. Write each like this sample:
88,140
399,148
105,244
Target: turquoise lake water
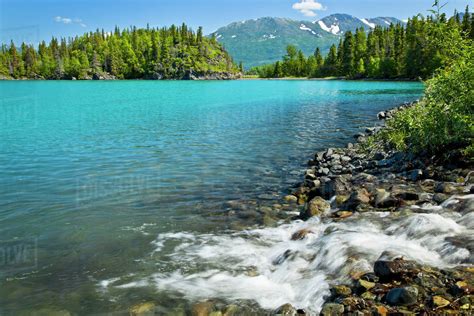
92,172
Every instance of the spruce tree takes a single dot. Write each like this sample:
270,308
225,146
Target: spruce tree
347,61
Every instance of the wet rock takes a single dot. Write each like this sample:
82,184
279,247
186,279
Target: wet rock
143,309
382,115
361,196
384,199
379,156
428,185
415,175
368,296
404,296
392,269
269,221
341,199
232,310
316,207
371,277
443,187
366,284
381,310
440,302
328,153
345,160
332,309
301,234
337,185
363,178
341,290
343,214
310,174
203,308
312,184
285,310
282,258
323,171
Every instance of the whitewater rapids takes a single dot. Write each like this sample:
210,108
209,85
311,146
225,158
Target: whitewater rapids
264,265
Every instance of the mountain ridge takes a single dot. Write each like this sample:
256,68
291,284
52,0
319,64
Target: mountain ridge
264,40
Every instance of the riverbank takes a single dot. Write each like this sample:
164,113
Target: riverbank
369,178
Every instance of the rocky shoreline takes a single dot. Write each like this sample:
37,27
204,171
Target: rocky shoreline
190,75
372,177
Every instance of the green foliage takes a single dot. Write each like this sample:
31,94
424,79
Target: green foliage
444,119
169,53
411,52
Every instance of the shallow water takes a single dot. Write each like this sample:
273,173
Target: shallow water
119,192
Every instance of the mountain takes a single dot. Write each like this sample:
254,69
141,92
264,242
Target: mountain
264,40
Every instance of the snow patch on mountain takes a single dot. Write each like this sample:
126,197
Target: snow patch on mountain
334,29
305,28
366,22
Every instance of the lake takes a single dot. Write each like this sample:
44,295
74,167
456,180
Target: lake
115,193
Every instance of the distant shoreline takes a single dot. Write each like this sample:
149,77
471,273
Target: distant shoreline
236,79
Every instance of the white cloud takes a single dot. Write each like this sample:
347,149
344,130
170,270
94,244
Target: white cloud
64,20
307,7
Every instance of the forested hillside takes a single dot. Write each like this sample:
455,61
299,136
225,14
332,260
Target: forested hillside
389,53
165,53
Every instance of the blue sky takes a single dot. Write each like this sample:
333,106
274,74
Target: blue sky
35,20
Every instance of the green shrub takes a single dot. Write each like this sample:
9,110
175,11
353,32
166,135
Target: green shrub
444,119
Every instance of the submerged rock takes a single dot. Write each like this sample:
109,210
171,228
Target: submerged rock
144,309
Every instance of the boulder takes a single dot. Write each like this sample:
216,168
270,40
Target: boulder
394,269
404,296
285,310
316,207
336,185
301,234
358,197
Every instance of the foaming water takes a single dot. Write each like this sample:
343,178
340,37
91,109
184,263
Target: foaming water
266,266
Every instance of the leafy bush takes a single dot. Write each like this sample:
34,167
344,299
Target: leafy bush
444,119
